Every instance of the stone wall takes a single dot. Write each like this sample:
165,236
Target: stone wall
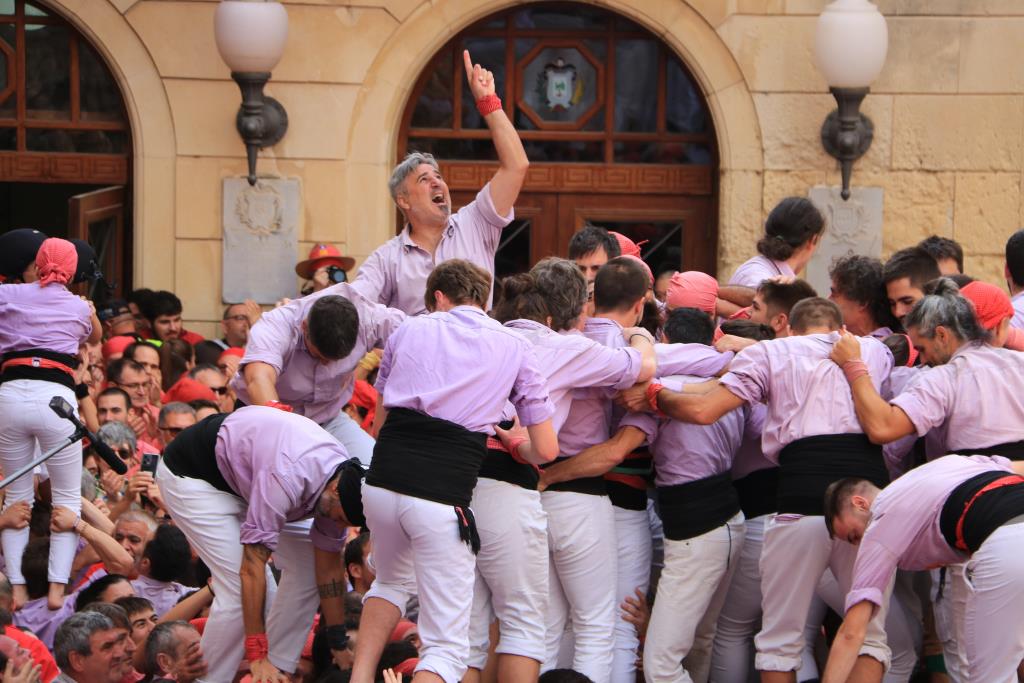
948,113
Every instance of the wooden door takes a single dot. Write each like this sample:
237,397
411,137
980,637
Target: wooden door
532,235
98,217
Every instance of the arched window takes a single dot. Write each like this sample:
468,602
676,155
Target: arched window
616,129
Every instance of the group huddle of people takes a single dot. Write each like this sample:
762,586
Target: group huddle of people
591,471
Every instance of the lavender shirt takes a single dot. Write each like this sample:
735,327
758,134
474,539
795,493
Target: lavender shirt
975,400
314,389
396,273
279,463
462,366
758,269
904,529
750,457
1018,311
37,617
570,360
806,393
163,594
34,317
687,452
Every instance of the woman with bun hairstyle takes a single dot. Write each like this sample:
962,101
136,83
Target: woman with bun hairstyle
42,325
791,235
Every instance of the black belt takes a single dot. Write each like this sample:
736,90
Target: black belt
501,466
758,492
1013,450
696,507
625,496
807,466
971,513
192,453
594,486
54,375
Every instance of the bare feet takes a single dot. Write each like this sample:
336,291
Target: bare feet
55,599
20,595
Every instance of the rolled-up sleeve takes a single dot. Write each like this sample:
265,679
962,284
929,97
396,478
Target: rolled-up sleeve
326,535
269,503
488,222
699,360
271,337
645,422
928,401
748,374
530,393
372,280
872,572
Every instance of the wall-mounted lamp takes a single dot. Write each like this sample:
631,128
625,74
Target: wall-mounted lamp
250,37
850,42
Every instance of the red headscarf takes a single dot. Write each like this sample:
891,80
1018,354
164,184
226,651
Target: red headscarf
627,246
692,289
187,389
56,261
116,345
365,396
991,304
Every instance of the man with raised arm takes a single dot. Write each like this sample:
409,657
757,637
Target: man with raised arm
396,273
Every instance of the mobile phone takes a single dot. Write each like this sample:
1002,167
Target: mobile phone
149,462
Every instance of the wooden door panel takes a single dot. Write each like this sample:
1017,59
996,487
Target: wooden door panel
98,217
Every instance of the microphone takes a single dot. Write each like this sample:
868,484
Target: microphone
64,409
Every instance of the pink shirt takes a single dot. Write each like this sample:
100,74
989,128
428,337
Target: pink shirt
462,366
314,389
806,393
279,463
758,269
904,529
50,318
1018,311
687,452
163,594
396,273
570,360
750,457
975,400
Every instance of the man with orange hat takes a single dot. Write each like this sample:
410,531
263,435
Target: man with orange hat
324,267
396,273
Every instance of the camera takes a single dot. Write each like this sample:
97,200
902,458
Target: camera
336,275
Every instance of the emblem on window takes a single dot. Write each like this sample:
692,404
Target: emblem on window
559,87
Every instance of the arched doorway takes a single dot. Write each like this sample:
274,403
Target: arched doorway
65,141
616,129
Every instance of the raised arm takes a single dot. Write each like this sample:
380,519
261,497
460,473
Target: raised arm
881,421
512,161
739,296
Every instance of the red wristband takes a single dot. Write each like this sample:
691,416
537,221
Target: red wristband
488,104
854,370
256,647
280,406
652,397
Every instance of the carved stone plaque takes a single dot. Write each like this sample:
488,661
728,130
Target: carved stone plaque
261,233
851,227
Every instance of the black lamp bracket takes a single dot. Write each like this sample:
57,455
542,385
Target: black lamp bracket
262,121
846,134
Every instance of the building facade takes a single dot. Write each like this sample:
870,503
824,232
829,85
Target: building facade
364,81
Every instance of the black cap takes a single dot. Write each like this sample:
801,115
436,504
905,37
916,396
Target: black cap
18,249
112,309
87,269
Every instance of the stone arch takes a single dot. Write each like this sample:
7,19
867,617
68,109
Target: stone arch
152,128
390,79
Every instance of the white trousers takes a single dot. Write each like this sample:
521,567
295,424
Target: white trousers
25,421
354,438
797,551
993,620
690,596
211,521
581,580
417,550
740,619
949,599
633,571
511,571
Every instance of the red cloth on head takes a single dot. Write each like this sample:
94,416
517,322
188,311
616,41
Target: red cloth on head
407,666
913,354
991,304
116,345
37,650
187,389
56,261
232,351
627,246
401,630
365,396
647,268
693,289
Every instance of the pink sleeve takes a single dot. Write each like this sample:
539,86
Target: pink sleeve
530,392
372,280
1015,339
271,336
872,572
927,402
597,365
699,360
748,374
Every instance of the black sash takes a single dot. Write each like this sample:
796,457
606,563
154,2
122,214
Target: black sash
625,496
192,454
807,466
1014,450
350,492
594,486
758,492
501,466
41,374
696,507
986,513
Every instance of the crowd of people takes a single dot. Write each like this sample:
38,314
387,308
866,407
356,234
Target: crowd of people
591,471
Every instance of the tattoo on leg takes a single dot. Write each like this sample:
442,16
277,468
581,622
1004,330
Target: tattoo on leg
334,589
